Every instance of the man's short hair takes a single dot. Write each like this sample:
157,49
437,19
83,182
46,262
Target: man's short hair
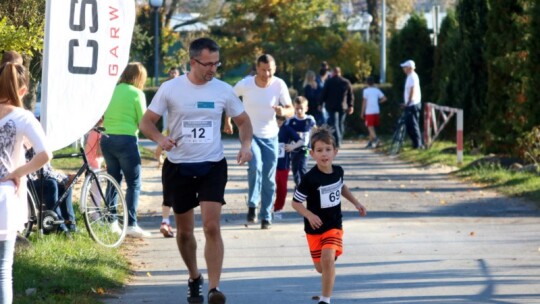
198,45
266,58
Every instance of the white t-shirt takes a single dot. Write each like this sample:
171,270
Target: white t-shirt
16,127
194,117
259,102
372,96
412,82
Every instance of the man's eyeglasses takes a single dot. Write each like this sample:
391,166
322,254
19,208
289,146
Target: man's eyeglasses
209,64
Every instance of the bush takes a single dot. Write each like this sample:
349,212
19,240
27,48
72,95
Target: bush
529,145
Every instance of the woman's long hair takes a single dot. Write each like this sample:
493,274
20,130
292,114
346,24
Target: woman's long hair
13,77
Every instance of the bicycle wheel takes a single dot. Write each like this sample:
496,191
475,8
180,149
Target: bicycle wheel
397,140
104,209
32,215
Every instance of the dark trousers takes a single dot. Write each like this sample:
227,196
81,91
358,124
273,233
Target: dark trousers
412,123
298,166
336,120
52,191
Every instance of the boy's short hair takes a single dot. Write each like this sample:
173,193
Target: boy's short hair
323,133
370,80
300,100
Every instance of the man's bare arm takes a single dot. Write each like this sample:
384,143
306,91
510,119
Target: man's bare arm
245,131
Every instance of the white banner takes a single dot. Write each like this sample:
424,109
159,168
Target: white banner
86,49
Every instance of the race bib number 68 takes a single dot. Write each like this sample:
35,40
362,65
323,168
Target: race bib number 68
331,194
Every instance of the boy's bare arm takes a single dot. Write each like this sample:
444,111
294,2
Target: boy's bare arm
314,221
350,197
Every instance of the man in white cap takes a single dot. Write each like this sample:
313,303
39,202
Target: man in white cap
412,104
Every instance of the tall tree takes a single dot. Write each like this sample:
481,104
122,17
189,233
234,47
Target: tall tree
298,33
470,72
449,42
533,66
506,49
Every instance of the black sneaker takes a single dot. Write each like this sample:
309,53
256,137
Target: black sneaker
194,295
266,224
323,302
216,297
251,216
369,145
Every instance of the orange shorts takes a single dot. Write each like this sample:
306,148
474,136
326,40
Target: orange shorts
372,120
332,239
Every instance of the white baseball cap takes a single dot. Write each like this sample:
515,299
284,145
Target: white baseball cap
409,63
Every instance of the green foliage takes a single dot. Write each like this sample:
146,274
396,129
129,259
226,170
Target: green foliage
529,145
506,49
444,84
469,72
533,65
412,42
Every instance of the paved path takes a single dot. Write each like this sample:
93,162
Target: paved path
428,238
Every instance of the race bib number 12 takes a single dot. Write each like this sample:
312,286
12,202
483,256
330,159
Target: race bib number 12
197,131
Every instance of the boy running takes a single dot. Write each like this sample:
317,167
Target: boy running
322,188
372,96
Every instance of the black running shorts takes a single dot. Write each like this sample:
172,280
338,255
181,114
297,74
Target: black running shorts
184,192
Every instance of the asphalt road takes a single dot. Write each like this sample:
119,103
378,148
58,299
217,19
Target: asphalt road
427,238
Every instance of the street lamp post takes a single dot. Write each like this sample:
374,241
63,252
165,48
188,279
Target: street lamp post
383,42
156,4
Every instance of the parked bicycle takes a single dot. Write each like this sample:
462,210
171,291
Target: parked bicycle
399,134
101,203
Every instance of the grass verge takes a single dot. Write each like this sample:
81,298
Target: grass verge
489,176
56,269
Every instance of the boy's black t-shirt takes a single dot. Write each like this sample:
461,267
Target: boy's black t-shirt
323,195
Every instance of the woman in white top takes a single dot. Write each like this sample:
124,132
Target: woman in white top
16,126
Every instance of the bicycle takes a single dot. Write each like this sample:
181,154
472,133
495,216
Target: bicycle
101,203
399,135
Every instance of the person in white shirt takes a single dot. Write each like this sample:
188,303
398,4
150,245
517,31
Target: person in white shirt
264,96
412,98
17,126
195,170
372,96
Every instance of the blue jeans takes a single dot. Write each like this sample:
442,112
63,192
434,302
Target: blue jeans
52,191
121,153
336,120
412,123
7,250
262,175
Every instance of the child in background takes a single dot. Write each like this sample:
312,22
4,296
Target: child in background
288,140
92,148
372,96
302,123
322,188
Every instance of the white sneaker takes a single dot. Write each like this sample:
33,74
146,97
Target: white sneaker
278,215
115,227
136,231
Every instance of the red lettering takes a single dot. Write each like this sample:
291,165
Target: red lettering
114,32
112,13
114,51
113,69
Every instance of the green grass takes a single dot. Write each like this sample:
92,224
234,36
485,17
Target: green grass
75,270
63,270
493,177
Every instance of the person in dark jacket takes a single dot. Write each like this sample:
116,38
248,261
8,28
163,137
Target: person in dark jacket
338,99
